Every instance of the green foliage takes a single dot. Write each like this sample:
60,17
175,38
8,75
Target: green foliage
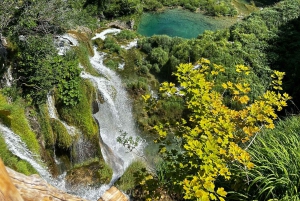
83,54
105,173
81,114
284,55
111,44
212,135
45,124
126,35
64,139
275,175
15,118
68,84
13,161
132,176
38,57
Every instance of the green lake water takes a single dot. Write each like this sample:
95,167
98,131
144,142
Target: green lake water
179,22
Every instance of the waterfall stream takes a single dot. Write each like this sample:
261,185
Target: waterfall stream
114,118
18,148
114,115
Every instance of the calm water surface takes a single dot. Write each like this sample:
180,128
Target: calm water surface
178,22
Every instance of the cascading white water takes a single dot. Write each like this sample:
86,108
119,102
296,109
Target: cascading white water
114,116
53,114
8,77
18,148
130,45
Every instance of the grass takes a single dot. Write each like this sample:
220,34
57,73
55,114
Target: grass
64,139
13,116
80,115
132,176
276,155
45,125
105,172
13,161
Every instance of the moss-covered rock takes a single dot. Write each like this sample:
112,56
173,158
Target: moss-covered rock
45,126
80,115
89,173
64,139
16,120
132,177
13,161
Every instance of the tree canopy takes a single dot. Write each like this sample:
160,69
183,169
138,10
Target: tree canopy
219,126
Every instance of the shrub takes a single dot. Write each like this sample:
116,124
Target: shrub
132,176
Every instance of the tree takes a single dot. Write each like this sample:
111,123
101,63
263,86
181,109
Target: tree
219,123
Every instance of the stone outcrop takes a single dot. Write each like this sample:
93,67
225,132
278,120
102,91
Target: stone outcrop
121,24
113,194
8,191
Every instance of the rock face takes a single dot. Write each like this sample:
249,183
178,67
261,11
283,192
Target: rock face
121,24
113,194
8,191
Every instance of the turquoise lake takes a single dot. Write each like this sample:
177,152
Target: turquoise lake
178,22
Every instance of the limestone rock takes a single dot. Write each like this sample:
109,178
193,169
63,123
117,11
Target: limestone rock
8,191
113,194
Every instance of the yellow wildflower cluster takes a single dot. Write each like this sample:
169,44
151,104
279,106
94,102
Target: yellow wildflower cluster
214,130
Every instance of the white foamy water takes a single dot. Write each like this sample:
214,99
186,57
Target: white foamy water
19,148
8,77
103,34
132,44
64,43
53,114
114,116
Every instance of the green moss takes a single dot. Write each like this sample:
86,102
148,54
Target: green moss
105,173
18,122
64,139
133,175
45,126
80,115
13,161
92,172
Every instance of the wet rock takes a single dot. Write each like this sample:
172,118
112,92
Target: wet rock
121,24
95,107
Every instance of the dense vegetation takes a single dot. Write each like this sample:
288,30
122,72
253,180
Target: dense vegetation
213,118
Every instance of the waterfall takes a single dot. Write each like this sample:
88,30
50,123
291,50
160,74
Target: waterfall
8,77
53,114
18,148
82,147
114,115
